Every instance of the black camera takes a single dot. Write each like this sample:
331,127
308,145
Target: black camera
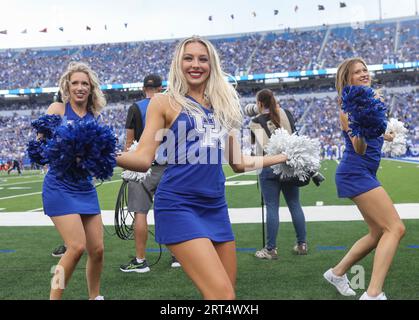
317,178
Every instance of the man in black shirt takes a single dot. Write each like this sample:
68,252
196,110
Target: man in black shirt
140,194
16,165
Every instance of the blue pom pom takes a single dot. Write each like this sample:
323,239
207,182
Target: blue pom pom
366,114
82,150
36,152
47,124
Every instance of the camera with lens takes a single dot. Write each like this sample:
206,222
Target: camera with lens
251,109
317,178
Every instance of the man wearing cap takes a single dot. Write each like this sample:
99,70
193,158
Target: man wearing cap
140,194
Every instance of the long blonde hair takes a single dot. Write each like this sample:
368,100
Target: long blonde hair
343,75
219,93
96,100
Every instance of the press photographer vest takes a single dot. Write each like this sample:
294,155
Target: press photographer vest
262,128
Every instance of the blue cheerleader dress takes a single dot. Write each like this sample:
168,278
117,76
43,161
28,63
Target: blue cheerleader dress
190,200
357,173
60,197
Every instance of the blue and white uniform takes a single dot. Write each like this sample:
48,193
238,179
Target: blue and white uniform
61,197
190,199
357,173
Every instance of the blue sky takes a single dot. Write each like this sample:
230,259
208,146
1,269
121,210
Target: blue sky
166,19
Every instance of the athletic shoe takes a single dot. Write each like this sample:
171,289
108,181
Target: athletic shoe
135,266
301,249
264,253
365,296
175,263
59,251
340,282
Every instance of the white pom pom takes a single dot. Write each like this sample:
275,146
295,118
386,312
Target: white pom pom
129,175
397,147
133,146
134,175
303,154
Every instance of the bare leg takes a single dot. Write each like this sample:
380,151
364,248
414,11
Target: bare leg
361,248
140,234
71,230
201,262
227,253
94,246
382,218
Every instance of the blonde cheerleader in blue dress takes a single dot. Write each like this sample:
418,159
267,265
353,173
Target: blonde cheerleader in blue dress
69,195
196,115
363,123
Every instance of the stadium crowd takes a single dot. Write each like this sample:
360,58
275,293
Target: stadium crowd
315,117
287,50
279,51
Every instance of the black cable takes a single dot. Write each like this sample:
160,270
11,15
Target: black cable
123,229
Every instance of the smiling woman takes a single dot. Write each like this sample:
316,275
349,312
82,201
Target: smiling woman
356,178
73,206
197,114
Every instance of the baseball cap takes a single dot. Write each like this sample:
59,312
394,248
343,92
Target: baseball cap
152,80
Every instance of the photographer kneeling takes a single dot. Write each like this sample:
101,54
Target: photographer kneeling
270,117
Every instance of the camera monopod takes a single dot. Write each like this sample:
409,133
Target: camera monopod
262,203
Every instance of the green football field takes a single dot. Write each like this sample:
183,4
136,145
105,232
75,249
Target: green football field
400,179
26,262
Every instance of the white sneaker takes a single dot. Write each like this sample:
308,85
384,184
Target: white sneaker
175,263
341,283
365,296
264,253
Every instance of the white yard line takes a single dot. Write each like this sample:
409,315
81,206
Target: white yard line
21,195
412,161
241,174
17,183
237,215
33,193
35,210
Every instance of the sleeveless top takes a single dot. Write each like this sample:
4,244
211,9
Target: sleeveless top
371,158
70,117
195,148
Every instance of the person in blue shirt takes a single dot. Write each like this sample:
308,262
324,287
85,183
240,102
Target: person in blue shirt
197,115
356,179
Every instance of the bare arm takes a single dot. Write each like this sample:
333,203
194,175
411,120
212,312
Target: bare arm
242,163
142,158
54,108
129,139
359,144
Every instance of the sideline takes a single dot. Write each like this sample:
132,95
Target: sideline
237,215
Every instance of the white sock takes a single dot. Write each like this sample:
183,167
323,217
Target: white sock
140,260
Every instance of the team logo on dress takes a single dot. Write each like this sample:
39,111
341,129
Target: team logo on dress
211,132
